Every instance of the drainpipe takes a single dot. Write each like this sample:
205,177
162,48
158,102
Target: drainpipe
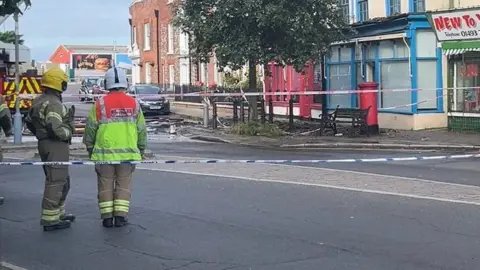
451,3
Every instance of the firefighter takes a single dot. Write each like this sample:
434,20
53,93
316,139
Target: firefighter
53,125
115,131
6,124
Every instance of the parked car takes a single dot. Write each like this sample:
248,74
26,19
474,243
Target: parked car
153,104
87,88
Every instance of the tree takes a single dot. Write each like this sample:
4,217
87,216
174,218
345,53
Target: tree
260,31
9,37
8,7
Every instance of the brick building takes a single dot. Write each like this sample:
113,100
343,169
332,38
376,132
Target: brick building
159,51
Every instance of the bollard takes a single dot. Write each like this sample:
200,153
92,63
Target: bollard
205,114
242,112
235,112
214,115
290,113
270,110
262,111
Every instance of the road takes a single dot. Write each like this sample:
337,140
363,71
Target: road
257,216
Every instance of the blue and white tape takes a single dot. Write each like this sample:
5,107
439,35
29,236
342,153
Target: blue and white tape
259,161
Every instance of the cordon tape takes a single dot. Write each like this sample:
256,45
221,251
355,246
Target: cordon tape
258,161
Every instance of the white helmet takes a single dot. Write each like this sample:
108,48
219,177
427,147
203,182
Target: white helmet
115,78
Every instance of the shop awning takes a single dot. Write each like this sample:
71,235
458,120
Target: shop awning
460,47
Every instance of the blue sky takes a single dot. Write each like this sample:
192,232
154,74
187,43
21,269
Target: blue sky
49,23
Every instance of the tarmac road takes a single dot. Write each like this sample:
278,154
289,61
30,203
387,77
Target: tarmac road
255,216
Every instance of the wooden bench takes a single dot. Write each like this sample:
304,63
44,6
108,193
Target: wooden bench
354,116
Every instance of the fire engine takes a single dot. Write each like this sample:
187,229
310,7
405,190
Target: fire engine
28,85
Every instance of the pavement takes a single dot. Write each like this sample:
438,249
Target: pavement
400,215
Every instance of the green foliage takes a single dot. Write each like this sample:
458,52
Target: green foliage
9,37
241,31
257,129
8,7
231,80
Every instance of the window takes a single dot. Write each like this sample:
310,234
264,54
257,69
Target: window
345,9
134,35
427,80
148,73
394,7
340,79
418,5
171,76
146,37
184,73
170,39
395,75
426,44
183,43
362,10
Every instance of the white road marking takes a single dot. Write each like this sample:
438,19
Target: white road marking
11,266
317,185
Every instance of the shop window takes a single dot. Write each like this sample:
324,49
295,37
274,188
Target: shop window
427,83
371,51
335,54
400,49
395,75
426,44
467,92
345,54
340,79
386,49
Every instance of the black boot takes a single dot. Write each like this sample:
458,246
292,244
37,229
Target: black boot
120,221
69,217
107,222
1,200
62,224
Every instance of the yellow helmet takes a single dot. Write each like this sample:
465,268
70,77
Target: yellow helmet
55,79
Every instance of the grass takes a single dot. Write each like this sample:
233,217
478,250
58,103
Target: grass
257,129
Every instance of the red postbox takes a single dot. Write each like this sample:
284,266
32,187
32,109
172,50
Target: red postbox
369,99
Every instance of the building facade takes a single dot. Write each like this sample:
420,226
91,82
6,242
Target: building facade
458,33
160,52
396,47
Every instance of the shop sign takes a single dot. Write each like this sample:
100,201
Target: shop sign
456,25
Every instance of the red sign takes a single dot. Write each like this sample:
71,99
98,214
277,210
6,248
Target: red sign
460,25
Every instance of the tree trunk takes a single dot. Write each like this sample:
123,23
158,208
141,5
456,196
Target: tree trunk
252,85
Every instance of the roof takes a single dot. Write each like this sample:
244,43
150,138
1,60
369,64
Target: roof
96,48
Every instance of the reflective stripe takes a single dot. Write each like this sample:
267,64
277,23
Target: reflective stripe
106,204
104,151
117,120
50,212
41,113
121,203
54,115
121,209
3,106
62,209
51,218
106,210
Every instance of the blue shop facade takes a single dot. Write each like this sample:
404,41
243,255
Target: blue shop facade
398,52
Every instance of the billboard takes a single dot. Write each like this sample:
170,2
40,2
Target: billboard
456,25
91,64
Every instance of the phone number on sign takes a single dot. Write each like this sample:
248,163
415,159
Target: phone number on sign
470,33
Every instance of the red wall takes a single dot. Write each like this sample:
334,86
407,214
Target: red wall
60,56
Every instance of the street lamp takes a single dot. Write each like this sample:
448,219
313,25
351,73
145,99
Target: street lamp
17,119
157,15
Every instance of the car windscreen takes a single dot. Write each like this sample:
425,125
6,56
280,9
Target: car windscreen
91,82
146,89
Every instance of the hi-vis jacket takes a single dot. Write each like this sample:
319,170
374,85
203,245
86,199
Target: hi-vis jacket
116,129
48,118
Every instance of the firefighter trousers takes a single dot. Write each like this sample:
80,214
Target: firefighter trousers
114,189
57,180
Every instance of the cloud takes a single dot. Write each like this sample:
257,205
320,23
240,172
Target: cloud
49,23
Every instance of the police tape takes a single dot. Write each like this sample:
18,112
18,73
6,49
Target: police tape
247,94
244,161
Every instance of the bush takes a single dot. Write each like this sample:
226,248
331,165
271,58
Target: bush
257,129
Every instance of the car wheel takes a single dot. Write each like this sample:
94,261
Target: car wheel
82,99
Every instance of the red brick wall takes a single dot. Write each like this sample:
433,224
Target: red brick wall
143,12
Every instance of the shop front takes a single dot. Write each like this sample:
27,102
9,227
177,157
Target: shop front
399,53
458,34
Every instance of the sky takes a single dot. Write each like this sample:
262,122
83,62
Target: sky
49,23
